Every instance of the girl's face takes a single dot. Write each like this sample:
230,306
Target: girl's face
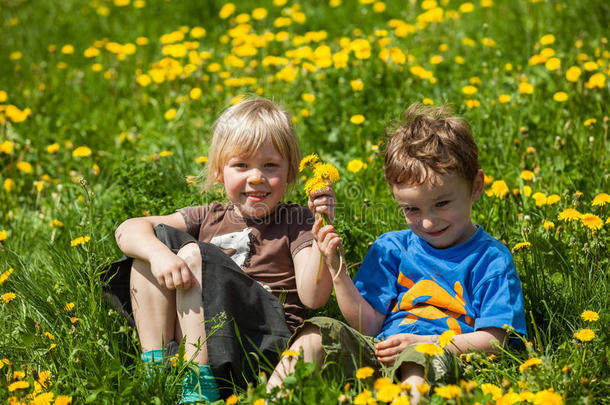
255,183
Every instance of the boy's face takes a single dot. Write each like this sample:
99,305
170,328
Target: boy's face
255,183
439,212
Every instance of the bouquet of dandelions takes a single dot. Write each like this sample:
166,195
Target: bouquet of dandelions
324,175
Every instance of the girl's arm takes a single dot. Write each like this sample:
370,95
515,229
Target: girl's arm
314,293
136,238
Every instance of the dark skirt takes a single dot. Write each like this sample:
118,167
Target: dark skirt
254,331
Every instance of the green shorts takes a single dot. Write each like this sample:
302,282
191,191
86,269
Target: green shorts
350,350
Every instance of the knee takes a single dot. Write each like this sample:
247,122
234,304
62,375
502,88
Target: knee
309,340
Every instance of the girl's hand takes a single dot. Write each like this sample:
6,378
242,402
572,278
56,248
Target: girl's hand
322,201
171,271
328,240
387,351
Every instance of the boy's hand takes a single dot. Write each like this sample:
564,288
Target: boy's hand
171,271
322,201
388,350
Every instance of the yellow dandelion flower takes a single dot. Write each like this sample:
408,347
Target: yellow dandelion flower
314,184
598,80
589,316
18,385
357,85
503,98
526,88
521,246
308,97
529,363
232,400
548,225
5,275
81,240
469,90
357,119
326,171
308,161
569,214
7,147
364,372
9,185
553,199
527,175
290,353
69,307
363,398
573,73
547,397
8,297
601,199
73,319
589,122
592,221
195,93
53,148
560,96
25,167
201,159
3,235
226,11
584,335
494,390
446,337
81,151
170,114
499,188
547,39
355,165
45,398
388,392
166,153
423,388
448,391
429,349
259,401
540,198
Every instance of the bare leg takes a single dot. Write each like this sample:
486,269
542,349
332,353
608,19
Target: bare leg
309,341
154,307
189,307
412,374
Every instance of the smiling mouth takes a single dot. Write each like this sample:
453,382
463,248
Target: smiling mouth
256,195
437,233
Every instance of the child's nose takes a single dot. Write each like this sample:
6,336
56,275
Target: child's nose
255,176
428,223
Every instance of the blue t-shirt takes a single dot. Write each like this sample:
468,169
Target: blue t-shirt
426,291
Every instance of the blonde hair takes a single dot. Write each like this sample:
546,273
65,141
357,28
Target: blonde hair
430,141
242,129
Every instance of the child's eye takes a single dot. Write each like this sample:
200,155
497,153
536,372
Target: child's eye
442,203
239,165
409,210
270,164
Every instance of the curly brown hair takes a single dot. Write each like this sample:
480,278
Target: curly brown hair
430,141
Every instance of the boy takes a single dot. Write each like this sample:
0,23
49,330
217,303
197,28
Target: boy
443,273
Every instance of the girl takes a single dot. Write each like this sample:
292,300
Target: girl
236,258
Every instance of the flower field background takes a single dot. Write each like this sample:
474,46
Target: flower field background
106,109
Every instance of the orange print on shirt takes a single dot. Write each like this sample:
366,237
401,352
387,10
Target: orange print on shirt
438,303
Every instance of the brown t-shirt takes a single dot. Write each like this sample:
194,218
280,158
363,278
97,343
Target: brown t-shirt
262,247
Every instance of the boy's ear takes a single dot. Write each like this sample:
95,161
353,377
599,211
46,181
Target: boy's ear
477,185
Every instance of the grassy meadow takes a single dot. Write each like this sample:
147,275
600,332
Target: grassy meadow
106,110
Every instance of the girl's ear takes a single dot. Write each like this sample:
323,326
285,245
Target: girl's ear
477,185
219,177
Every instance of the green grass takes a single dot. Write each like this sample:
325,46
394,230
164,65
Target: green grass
95,360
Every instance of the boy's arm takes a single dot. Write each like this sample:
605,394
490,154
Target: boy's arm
136,238
481,340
